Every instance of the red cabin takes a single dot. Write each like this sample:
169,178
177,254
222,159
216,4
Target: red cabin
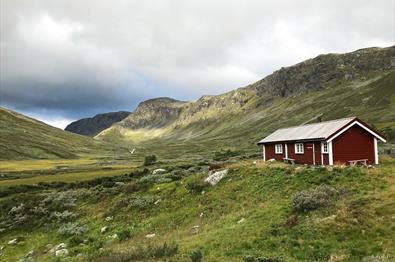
342,141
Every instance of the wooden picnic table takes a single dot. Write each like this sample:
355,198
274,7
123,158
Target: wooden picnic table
289,160
361,161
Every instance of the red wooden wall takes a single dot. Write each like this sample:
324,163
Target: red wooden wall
355,143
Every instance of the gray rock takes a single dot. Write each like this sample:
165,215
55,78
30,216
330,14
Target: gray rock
103,230
13,242
109,218
115,236
159,171
119,183
214,178
61,252
60,246
30,253
150,235
195,230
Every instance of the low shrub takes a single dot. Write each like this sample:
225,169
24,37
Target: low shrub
196,255
223,155
149,160
318,197
261,259
142,202
149,252
123,234
72,229
196,185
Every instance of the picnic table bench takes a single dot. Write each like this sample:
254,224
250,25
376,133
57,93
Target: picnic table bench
361,161
289,160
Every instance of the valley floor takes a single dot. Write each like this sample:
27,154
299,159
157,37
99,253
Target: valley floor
259,210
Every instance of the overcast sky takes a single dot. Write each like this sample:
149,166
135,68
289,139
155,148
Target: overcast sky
66,59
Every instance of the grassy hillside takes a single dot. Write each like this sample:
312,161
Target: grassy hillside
22,137
360,84
272,211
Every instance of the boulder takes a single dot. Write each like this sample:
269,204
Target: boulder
195,230
159,171
214,178
103,230
60,246
61,252
13,242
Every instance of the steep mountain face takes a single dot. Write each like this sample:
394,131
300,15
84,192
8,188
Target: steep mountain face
335,85
22,137
326,70
154,113
94,125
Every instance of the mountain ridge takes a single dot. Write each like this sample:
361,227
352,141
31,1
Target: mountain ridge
320,74
91,126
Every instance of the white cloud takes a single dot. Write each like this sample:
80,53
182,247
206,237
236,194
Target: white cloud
78,57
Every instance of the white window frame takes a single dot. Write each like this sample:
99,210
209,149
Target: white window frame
296,148
323,147
278,151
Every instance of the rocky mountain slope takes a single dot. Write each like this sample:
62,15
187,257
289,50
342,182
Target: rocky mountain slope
93,125
359,83
22,137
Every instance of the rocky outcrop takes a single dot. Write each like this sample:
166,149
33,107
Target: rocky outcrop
156,113
326,70
94,125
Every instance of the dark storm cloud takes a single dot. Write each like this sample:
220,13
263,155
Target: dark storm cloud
68,59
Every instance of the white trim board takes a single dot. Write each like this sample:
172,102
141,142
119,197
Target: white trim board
264,153
376,154
330,157
286,150
356,123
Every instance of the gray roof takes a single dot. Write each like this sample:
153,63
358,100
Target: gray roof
320,130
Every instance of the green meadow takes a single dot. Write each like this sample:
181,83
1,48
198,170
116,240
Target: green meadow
258,211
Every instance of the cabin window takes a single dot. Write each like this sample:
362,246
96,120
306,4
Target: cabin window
299,149
279,148
325,148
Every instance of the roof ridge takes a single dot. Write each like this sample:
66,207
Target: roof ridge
333,120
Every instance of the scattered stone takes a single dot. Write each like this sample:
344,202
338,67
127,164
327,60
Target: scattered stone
119,183
108,219
61,252
30,253
195,230
157,202
159,171
61,246
103,230
203,192
326,219
241,221
13,242
150,235
255,162
201,214
271,160
214,178
115,236
80,255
